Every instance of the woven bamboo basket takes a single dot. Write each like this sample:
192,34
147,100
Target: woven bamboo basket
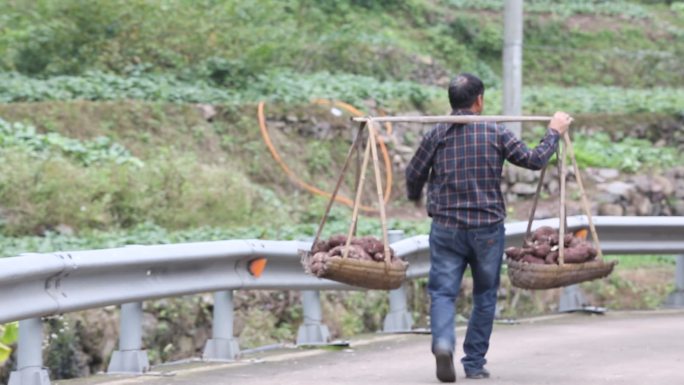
536,276
381,275
367,274
539,277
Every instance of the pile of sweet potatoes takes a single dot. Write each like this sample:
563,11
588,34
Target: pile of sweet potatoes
363,248
542,248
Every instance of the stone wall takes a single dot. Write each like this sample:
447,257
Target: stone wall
609,191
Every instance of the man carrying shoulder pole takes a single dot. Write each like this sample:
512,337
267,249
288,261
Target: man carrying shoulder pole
462,166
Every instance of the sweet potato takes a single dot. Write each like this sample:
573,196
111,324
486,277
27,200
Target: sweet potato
588,250
551,258
577,254
358,249
532,259
568,239
573,242
553,239
317,263
542,234
370,244
514,253
542,250
355,252
592,253
320,246
337,240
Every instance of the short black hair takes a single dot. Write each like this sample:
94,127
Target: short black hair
464,90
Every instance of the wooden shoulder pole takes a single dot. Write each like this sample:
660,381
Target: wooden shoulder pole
453,119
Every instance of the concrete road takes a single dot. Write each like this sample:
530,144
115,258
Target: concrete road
617,348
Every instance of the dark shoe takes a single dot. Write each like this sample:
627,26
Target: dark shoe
445,366
478,375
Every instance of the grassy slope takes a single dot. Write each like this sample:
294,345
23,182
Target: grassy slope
196,173
235,43
231,41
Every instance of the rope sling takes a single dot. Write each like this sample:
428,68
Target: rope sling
382,275
536,276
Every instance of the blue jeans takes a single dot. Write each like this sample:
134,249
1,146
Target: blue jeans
450,251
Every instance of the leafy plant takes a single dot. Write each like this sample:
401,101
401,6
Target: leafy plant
102,149
628,155
231,43
292,88
9,334
565,8
171,189
148,233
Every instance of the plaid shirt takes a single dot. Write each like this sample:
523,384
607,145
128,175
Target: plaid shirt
462,165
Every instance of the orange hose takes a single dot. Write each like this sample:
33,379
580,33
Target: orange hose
312,189
383,149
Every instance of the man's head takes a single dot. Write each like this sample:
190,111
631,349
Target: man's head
466,91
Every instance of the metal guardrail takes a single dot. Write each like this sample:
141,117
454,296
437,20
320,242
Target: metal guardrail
618,235
35,285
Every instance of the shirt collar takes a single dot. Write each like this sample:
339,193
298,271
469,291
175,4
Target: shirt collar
462,111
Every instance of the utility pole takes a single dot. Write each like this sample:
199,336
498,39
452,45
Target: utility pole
512,62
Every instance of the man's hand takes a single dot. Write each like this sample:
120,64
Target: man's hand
560,122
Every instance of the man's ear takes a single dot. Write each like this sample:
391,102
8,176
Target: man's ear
479,104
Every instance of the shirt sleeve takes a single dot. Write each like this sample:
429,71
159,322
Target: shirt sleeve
516,152
418,169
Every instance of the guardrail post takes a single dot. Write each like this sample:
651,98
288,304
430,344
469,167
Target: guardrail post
398,319
130,358
676,298
222,346
312,331
571,299
30,369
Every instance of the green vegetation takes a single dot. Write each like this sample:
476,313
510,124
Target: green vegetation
193,173
565,8
8,335
642,288
639,261
172,190
228,42
606,100
628,155
292,88
283,87
24,138
231,43
151,234
93,155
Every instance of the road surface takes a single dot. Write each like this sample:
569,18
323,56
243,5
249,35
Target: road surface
616,348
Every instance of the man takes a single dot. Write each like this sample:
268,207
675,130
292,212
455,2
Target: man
462,166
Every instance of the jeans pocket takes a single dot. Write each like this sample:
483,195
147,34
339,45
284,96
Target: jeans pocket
488,236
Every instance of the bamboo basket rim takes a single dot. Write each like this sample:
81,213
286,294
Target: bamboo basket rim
565,266
374,275
539,277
